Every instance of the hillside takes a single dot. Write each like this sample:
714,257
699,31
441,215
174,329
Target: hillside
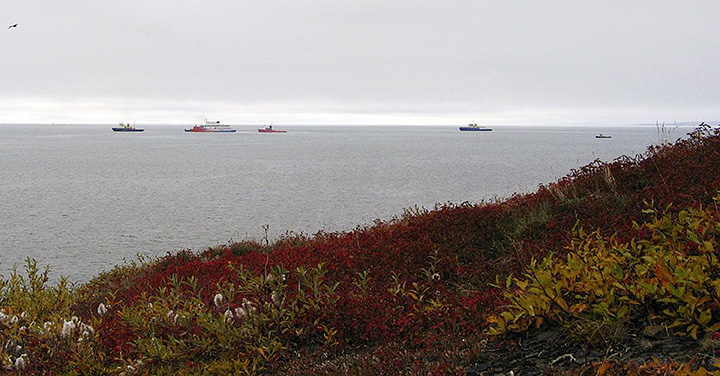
420,294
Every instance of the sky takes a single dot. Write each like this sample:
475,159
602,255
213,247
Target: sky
360,61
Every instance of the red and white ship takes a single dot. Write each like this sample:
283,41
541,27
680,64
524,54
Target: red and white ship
210,126
269,129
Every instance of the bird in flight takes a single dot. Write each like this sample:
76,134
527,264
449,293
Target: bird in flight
11,26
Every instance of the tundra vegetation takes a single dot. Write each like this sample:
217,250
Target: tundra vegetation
609,252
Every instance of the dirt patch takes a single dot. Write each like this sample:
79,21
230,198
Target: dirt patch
553,352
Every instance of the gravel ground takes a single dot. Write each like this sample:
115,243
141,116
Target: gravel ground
552,352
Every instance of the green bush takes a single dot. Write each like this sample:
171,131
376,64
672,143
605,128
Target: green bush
37,328
667,275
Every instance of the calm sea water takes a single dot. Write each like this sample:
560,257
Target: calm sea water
83,199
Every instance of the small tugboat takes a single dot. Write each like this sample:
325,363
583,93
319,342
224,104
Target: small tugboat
122,127
269,129
211,126
603,136
474,127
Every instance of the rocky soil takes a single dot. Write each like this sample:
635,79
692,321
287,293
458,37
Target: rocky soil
554,352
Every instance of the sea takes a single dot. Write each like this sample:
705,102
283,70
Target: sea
82,199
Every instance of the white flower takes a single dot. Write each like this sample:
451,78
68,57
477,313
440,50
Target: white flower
436,277
101,309
23,315
240,312
218,299
86,330
68,328
228,316
171,315
14,320
248,306
20,362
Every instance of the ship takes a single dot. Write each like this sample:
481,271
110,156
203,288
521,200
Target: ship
269,129
122,127
474,127
210,126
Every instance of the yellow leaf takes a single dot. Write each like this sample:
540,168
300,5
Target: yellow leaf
561,302
507,316
702,300
665,278
578,308
705,317
494,332
709,247
502,327
622,311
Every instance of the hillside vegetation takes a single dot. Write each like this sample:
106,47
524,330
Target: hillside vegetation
615,266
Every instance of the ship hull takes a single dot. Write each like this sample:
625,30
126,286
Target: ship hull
211,130
471,129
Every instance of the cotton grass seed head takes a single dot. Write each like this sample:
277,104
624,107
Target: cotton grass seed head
101,309
68,328
228,316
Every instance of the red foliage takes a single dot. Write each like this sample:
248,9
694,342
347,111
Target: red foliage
453,251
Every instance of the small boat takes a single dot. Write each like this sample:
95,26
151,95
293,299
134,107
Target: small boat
211,126
603,136
122,127
474,127
269,129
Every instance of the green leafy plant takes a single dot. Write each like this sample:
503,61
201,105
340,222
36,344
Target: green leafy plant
668,273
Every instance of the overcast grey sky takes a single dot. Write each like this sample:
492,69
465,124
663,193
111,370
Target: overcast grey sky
360,62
